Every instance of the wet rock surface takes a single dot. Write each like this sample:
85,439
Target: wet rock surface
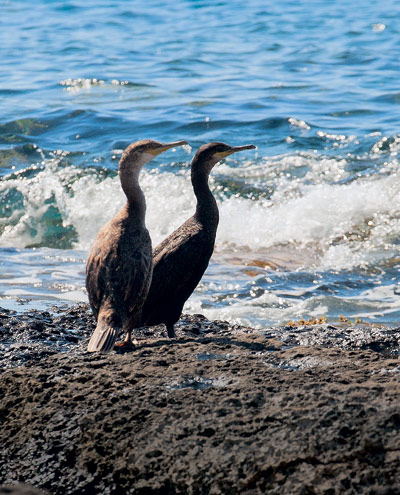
220,409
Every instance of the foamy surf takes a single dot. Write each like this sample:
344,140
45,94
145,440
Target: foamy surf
299,235
337,225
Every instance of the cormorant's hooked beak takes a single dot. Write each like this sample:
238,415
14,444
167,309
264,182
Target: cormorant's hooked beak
235,149
166,146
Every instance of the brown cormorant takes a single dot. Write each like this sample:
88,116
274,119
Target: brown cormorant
181,259
119,267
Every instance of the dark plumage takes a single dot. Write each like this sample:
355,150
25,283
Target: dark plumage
119,267
181,259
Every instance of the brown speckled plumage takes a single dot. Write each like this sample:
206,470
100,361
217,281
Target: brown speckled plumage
119,267
181,259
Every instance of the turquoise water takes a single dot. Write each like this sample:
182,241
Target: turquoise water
310,222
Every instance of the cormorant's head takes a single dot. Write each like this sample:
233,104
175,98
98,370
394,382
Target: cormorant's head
138,154
210,154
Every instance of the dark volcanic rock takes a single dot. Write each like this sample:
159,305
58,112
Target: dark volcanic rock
220,409
378,338
20,490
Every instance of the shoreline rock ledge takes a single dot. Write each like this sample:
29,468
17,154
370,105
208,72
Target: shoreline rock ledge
220,410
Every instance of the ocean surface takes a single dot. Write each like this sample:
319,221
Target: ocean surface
309,222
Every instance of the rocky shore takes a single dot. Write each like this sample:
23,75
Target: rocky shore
221,409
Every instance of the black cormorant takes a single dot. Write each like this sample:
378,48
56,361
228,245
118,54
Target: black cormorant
119,267
181,259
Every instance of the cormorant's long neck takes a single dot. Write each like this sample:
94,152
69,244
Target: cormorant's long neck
206,208
130,185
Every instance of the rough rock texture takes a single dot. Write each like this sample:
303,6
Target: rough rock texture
20,489
218,410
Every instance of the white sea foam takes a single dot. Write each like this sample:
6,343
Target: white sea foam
299,123
254,311
340,220
345,224
87,200
271,306
79,84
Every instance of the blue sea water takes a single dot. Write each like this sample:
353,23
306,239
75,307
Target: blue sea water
310,222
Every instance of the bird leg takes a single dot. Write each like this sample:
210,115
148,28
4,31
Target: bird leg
127,342
170,330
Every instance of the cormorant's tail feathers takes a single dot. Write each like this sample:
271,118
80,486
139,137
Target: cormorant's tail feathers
103,338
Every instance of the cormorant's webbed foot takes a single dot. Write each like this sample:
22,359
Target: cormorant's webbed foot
127,343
